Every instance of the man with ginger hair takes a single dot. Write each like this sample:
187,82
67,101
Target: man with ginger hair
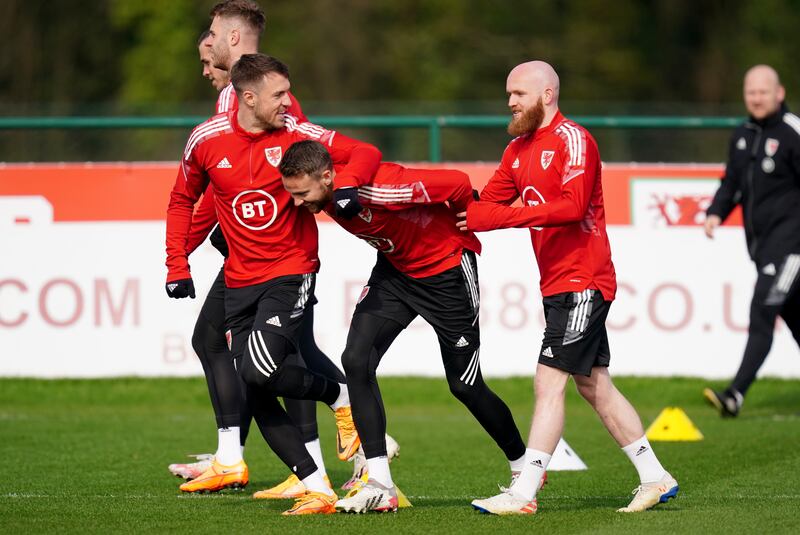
553,165
763,176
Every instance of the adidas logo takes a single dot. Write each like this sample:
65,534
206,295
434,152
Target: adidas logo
642,449
462,342
172,287
537,463
224,164
769,269
548,352
515,165
274,320
343,202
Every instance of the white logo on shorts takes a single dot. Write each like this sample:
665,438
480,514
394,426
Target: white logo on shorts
548,352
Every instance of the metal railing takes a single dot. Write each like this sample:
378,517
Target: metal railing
433,123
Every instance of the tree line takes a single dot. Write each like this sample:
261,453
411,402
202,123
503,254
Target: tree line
69,57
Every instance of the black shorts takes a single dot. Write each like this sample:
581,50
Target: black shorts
277,305
449,301
575,336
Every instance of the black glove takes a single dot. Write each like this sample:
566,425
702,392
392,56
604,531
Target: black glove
180,289
346,202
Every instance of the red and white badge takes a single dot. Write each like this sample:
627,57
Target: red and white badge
274,155
771,146
547,158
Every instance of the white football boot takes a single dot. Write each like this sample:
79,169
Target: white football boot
372,496
360,462
506,503
648,495
191,471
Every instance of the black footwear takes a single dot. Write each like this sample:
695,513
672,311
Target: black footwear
727,403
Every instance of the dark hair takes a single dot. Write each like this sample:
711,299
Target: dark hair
251,69
247,10
307,157
203,37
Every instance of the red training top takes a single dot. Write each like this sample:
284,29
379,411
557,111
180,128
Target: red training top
556,171
405,218
205,216
267,235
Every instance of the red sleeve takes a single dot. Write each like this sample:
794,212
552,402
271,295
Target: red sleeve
189,186
397,188
501,188
361,160
449,186
296,110
203,221
577,184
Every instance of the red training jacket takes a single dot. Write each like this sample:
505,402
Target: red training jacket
405,218
267,235
557,172
205,216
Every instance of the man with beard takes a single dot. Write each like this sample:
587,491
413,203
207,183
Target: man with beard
554,166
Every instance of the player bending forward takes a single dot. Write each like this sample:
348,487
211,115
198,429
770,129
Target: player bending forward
425,267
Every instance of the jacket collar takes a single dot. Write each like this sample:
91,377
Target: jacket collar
544,130
233,118
771,120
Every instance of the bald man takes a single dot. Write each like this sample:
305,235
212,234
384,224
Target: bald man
553,165
763,176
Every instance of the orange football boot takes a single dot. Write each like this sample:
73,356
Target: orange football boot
347,440
313,503
219,477
291,487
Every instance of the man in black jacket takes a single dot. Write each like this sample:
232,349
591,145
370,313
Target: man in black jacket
763,175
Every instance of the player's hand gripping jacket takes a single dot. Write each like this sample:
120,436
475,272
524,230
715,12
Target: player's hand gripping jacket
346,202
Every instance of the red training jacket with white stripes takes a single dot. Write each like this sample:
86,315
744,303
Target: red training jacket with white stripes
205,216
405,217
557,172
267,235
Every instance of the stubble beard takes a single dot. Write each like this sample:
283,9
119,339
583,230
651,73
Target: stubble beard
529,121
221,58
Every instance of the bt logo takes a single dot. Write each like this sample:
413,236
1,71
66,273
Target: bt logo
255,209
532,197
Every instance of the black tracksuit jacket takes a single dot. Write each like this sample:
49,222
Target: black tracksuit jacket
763,175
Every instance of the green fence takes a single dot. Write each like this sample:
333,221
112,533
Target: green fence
433,123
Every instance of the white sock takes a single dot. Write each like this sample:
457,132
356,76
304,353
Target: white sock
528,481
344,398
517,465
315,483
315,451
644,460
378,468
229,450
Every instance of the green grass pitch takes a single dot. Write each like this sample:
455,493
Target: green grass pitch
91,456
